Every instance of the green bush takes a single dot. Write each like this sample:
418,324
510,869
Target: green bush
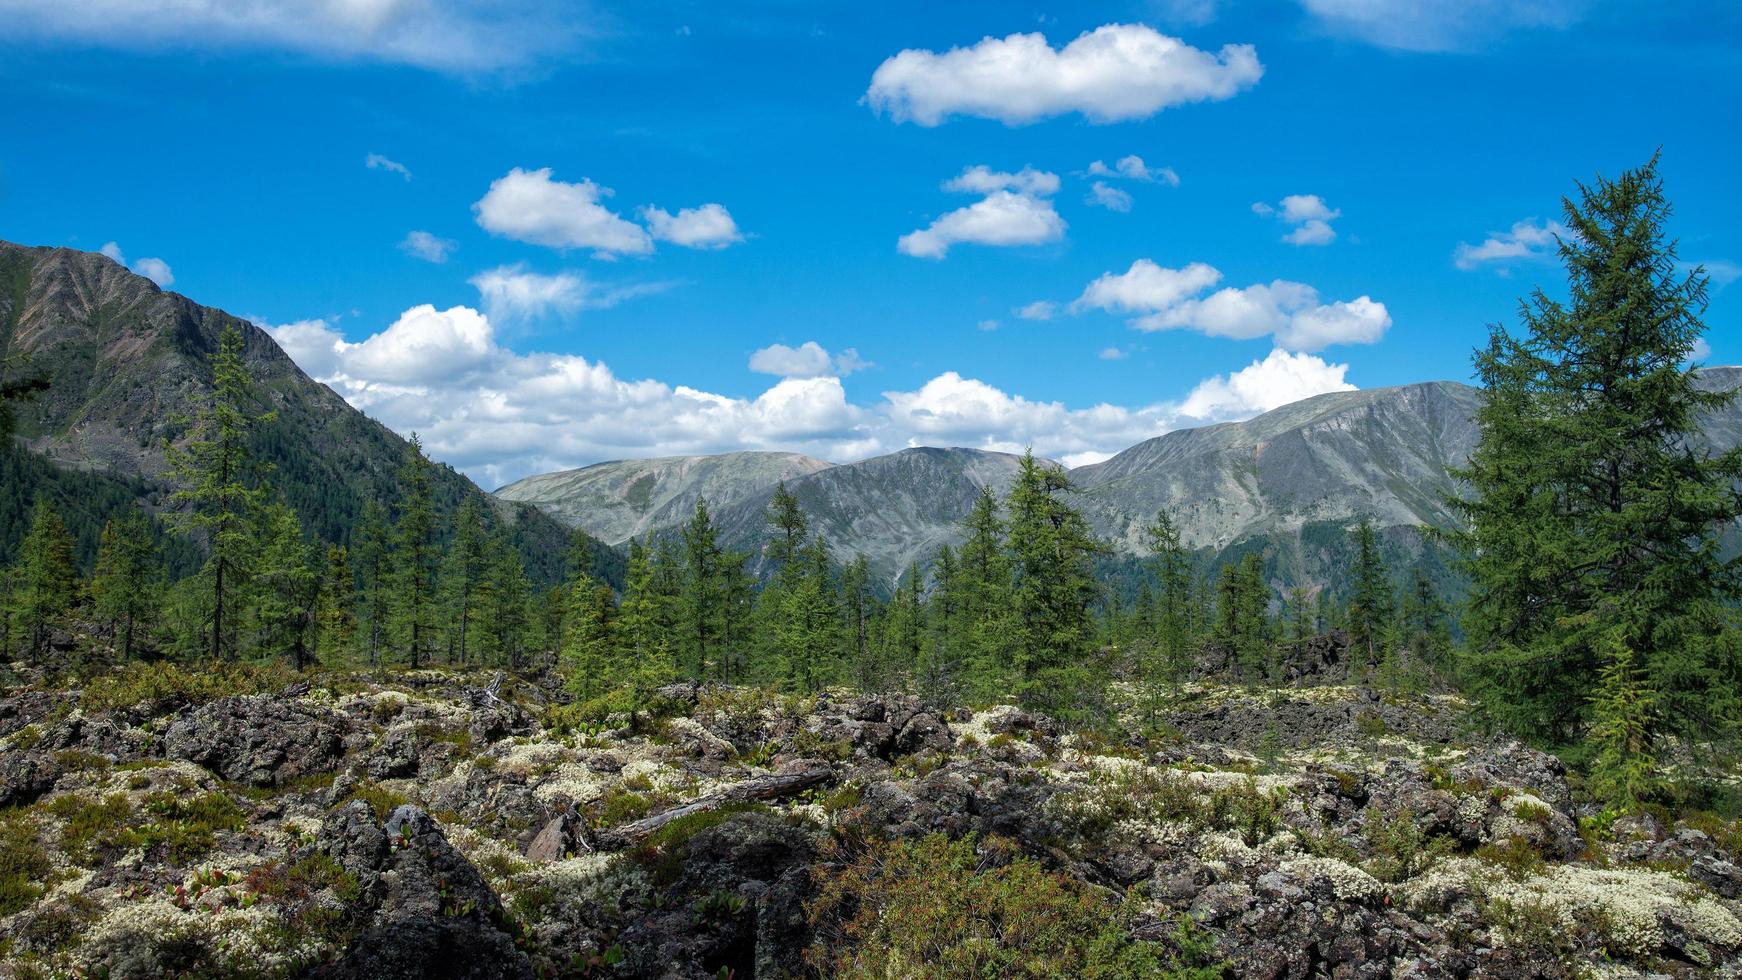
945,909
1401,849
24,865
139,683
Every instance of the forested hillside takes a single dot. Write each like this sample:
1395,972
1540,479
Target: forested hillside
127,367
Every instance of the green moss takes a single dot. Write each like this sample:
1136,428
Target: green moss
167,683
1513,855
88,827
381,800
24,865
185,826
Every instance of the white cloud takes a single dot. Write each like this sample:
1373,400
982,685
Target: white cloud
376,161
1013,212
1722,271
1702,349
528,206
1112,354
1438,25
1112,198
709,226
500,415
1115,72
156,270
1040,309
449,35
1528,239
808,360
428,247
510,292
1279,379
1191,13
1291,312
988,325
1146,287
1132,167
1308,213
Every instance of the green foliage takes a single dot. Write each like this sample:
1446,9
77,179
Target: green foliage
1594,510
42,584
382,801
127,579
1625,771
951,909
415,557
169,685
1053,586
1370,600
1400,849
25,868
219,491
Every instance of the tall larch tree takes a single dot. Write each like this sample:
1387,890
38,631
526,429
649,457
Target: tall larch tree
1051,551
415,560
1594,507
126,584
45,584
218,498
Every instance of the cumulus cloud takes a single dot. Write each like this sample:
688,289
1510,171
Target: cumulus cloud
709,226
1115,72
808,360
1528,239
500,415
448,35
1279,379
428,247
1111,354
510,292
1103,195
1132,167
529,206
1014,211
156,270
1040,309
1438,25
376,161
1309,216
1290,312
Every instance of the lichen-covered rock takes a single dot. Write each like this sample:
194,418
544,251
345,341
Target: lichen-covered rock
259,740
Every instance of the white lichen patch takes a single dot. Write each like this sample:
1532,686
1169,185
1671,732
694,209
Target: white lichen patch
571,784
1629,908
138,938
1348,883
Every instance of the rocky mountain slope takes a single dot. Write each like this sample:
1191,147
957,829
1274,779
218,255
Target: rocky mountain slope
427,824
128,363
619,500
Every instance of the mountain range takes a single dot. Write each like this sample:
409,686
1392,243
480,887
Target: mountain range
1289,484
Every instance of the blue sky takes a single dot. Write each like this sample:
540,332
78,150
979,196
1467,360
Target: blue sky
774,169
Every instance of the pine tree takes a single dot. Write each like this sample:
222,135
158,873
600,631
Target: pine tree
856,609
644,650
464,575
903,635
1622,723
942,670
1370,598
811,621
790,532
701,591
1174,639
284,586
217,501
507,601
1051,550
589,649
335,619
45,585
737,601
1303,614
1594,508
984,610
415,561
374,570
127,580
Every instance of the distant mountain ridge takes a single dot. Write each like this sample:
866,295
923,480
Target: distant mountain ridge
1288,484
129,363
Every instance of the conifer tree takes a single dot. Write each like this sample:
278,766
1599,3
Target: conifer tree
737,597
644,650
811,621
591,644
1594,507
1174,640
335,618
415,562
902,635
701,591
1622,723
984,610
856,610
1370,598
374,569
506,601
127,580
284,586
464,575
44,583
1051,549
1303,614
217,500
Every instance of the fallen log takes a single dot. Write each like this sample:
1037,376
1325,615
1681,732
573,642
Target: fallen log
761,788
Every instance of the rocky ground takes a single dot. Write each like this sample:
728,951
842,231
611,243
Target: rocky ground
430,825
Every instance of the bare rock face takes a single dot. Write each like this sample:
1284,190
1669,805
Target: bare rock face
258,740
430,913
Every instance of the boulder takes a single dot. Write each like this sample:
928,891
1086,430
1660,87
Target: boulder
258,740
